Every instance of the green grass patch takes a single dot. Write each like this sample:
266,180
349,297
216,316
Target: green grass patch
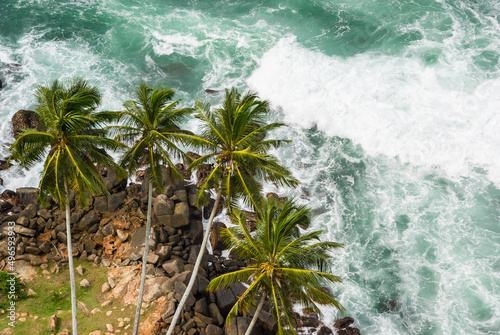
54,297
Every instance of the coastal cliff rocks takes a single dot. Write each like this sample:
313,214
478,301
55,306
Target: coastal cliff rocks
110,233
24,119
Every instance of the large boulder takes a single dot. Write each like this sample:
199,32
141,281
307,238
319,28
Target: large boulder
181,215
163,206
216,239
90,219
24,119
343,322
27,195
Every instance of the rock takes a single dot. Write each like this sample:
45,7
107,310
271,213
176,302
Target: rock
116,200
53,323
309,320
343,323
195,231
163,205
215,314
324,331
108,229
83,307
31,293
85,283
209,207
87,221
101,204
24,119
122,235
349,331
96,332
169,310
152,258
79,270
213,330
105,287
165,252
173,266
193,254
44,214
27,195
29,211
109,327
106,262
181,215
251,220
200,306
61,237
32,250
216,239
180,195
225,300
179,289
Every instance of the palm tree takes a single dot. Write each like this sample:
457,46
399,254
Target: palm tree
233,137
71,147
283,266
151,123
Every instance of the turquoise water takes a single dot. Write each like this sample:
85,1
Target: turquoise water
394,114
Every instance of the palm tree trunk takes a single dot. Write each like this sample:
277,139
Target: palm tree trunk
256,315
70,259
196,265
144,260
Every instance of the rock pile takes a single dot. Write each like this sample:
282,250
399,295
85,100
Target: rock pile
111,232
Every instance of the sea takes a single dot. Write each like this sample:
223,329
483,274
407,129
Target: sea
393,109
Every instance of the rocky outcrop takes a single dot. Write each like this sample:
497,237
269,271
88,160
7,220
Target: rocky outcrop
24,119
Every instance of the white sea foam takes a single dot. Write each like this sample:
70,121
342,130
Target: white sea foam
390,105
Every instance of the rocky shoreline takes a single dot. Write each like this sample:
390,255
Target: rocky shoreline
110,233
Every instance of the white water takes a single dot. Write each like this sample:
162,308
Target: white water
392,106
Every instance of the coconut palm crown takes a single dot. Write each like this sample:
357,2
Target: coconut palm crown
150,123
234,139
283,266
73,144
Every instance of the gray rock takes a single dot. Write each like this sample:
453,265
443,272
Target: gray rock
90,219
201,306
196,231
179,289
152,258
215,314
225,300
108,229
116,200
23,221
106,262
32,250
44,214
213,330
28,195
101,204
165,252
173,266
181,215
169,310
163,206
193,254
85,283
61,237
29,211
79,270
180,195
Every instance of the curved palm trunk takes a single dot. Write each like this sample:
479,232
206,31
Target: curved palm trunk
144,260
70,259
196,266
256,315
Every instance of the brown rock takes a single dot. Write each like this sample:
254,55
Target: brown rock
343,323
24,119
216,239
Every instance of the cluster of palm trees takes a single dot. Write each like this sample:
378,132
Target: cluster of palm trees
284,266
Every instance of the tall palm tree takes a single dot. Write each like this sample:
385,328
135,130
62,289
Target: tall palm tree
150,122
71,147
233,138
283,266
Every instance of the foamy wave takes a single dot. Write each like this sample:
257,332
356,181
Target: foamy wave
176,43
390,105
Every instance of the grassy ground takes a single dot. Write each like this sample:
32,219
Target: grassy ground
53,297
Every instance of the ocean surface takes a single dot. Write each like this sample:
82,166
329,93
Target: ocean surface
394,113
